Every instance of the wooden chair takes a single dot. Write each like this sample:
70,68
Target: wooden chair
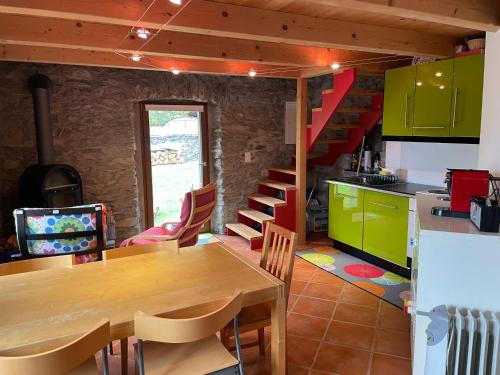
188,344
75,358
197,209
277,258
37,264
122,252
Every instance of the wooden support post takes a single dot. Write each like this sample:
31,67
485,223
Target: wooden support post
301,160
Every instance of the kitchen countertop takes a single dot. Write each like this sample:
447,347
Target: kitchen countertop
433,223
406,189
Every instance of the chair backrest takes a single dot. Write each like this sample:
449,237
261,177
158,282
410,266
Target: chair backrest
51,231
139,249
61,360
180,330
203,203
38,264
278,253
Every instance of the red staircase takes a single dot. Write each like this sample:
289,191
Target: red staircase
273,202
332,103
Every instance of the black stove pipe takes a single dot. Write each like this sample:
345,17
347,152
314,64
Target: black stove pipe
40,86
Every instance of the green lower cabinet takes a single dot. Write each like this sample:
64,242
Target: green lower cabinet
345,217
386,226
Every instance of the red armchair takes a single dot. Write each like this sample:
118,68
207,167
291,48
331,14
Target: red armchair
197,208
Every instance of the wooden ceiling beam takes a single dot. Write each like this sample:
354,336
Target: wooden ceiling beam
481,15
234,21
29,30
43,54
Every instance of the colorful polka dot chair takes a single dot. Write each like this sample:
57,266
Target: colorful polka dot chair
78,230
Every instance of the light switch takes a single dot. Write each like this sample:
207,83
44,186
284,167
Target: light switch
248,157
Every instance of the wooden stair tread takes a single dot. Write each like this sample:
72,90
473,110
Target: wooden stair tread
365,92
370,73
336,126
286,170
326,92
331,141
267,200
319,109
255,215
353,110
277,185
244,231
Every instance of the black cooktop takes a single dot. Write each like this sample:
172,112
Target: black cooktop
408,188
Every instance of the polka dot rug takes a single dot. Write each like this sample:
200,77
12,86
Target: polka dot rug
374,279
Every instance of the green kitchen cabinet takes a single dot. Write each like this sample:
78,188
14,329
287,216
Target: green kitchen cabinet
467,96
433,99
399,95
345,217
385,230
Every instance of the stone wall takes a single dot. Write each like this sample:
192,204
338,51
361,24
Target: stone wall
189,149
95,116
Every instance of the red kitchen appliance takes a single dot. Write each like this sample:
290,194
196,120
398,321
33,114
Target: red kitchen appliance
463,184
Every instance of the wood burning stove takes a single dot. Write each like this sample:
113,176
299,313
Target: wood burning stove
47,184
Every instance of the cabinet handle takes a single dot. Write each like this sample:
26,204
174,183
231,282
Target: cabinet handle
406,110
455,98
384,205
345,196
429,127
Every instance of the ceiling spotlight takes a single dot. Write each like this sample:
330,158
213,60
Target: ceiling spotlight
176,2
252,73
136,57
335,66
143,33
175,71
419,83
441,87
439,74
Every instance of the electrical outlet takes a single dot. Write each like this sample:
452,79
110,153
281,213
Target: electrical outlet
248,157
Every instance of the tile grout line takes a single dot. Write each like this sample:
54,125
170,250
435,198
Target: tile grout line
374,337
327,328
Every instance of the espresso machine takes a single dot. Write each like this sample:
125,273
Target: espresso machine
463,184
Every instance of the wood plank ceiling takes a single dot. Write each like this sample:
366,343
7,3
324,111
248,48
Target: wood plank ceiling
280,38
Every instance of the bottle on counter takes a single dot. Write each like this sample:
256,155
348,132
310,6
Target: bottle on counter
354,162
377,166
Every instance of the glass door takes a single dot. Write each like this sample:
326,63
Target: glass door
176,157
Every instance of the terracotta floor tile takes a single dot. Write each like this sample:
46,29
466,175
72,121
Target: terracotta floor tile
392,342
324,291
327,278
388,306
301,263
356,314
342,360
350,334
353,294
297,286
306,326
302,274
315,307
394,319
384,364
301,351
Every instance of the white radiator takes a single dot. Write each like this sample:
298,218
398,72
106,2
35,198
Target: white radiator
472,342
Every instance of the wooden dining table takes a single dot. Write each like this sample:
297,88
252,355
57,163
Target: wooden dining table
44,309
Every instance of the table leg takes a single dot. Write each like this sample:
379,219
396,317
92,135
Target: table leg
278,336
124,355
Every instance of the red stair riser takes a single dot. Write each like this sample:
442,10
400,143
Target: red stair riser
247,221
285,216
283,177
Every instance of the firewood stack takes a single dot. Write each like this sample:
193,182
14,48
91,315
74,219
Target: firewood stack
165,157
